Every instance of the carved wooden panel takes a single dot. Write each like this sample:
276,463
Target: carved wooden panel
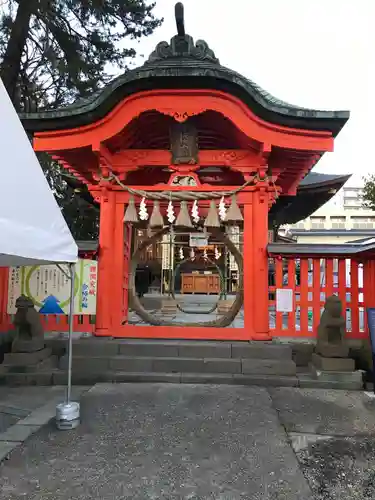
184,143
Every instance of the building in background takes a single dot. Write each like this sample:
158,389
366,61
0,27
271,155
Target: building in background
342,219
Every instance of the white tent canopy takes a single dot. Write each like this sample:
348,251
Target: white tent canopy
32,227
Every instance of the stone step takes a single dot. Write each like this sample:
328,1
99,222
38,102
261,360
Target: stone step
353,382
181,365
45,364
26,358
175,348
59,377
80,378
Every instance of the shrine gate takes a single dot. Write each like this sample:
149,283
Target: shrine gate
179,131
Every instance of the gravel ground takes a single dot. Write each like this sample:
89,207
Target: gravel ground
340,468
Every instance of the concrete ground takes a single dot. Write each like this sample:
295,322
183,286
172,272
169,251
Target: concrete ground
161,441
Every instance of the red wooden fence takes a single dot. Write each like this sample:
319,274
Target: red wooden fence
312,280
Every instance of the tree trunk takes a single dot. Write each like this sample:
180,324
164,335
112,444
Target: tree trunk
11,65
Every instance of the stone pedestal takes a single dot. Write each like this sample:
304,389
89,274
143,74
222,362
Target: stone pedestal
169,307
340,372
20,345
332,364
352,380
28,356
327,350
224,306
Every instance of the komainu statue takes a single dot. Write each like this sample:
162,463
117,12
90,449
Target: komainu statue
331,331
27,320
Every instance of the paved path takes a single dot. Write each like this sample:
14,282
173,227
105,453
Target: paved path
200,304
159,441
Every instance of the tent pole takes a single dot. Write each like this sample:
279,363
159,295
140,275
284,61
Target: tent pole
70,335
68,413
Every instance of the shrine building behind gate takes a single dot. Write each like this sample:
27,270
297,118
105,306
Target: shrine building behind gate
182,123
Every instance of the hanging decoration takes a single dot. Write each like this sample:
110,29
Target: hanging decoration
143,214
183,218
170,213
181,253
192,254
234,213
217,254
156,219
222,209
195,212
212,219
205,255
131,212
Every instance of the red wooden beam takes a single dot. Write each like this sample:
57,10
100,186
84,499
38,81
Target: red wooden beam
240,158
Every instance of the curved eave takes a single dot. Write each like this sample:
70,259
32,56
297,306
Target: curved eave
309,198
185,74
315,181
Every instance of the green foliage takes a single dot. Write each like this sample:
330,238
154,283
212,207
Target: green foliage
368,195
73,47
55,51
81,216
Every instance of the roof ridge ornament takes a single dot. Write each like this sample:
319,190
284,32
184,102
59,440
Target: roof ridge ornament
182,45
180,21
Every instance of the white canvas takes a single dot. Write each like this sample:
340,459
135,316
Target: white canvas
32,227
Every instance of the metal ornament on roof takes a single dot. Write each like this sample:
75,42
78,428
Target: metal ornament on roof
182,45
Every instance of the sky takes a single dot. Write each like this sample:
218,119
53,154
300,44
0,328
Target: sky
313,53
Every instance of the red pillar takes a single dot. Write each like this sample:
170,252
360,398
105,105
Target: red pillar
105,264
4,318
248,263
117,283
369,282
260,265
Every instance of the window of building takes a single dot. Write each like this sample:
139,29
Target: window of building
363,222
352,202
338,222
317,222
352,193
